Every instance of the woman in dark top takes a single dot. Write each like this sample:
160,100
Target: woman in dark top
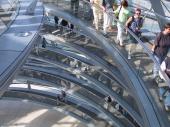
160,47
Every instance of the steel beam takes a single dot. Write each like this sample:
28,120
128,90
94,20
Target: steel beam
103,89
157,7
148,108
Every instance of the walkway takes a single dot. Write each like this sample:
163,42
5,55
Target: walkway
140,60
81,65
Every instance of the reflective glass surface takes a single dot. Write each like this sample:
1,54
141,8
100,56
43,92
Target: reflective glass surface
8,11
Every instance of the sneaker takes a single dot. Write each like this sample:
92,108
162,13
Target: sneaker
129,57
108,99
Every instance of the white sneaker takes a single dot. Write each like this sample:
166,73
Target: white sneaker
129,57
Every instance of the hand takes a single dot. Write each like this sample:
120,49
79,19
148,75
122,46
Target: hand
152,51
126,32
137,28
153,48
104,9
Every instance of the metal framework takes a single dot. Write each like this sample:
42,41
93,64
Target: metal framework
87,77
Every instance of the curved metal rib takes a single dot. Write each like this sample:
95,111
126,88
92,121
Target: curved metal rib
149,112
101,88
112,70
115,121
31,96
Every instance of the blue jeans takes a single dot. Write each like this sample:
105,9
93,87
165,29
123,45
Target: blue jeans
156,67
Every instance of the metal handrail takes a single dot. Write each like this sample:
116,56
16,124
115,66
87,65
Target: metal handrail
148,51
113,71
59,109
134,79
102,89
115,121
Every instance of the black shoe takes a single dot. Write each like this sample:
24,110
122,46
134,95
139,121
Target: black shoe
108,99
105,35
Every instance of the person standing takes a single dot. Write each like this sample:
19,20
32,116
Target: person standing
56,20
134,23
160,47
107,15
97,10
75,6
123,14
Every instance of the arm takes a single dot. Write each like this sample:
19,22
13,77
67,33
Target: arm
142,20
101,5
156,42
128,22
153,47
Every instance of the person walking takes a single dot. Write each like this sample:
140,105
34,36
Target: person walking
134,23
97,10
107,15
160,47
123,14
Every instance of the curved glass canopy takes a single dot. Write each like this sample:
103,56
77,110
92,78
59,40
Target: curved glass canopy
89,67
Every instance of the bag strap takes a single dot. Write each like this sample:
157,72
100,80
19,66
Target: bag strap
119,10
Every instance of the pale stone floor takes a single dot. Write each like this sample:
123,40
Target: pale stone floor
28,114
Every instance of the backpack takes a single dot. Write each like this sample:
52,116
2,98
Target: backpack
135,23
